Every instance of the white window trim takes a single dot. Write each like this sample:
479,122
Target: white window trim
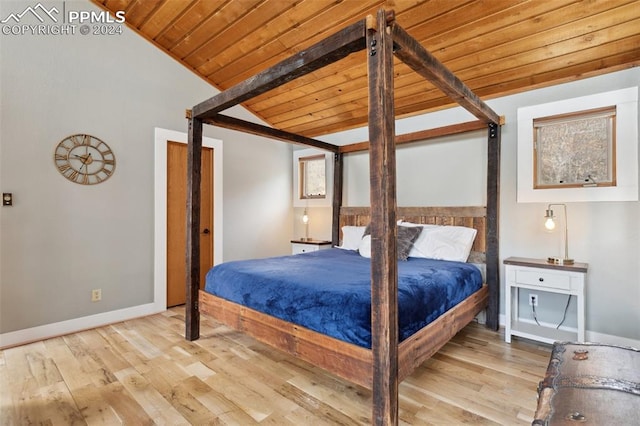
626,102
312,202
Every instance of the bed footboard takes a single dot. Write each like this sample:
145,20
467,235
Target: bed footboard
345,360
415,350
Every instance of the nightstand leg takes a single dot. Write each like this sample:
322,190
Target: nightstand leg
507,310
580,303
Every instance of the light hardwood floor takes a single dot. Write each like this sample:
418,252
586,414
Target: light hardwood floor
143,372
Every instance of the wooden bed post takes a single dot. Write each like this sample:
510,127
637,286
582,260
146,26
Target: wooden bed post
493,216
194,165
337,197
384,266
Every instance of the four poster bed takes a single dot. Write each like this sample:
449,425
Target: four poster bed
388,353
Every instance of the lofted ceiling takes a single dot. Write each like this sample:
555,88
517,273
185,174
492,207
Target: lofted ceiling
496,47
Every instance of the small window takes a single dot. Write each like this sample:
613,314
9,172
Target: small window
619,156
313,177
575,149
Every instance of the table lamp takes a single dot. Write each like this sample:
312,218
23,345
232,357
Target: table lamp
550,224
305,220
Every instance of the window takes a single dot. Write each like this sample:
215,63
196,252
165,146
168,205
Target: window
575,149
579,149
313,177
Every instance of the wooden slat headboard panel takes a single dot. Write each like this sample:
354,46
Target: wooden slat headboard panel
472,217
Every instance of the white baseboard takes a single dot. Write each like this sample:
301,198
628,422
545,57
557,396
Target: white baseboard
610,339
28,335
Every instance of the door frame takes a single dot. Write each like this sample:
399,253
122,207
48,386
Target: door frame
162,137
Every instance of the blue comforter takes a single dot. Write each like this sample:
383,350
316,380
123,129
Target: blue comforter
329,291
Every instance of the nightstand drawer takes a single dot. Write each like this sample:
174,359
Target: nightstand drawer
303,248
308,245
543,279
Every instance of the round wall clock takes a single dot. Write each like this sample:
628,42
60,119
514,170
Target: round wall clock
84,159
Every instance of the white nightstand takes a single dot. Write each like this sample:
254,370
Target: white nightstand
305,246
541,276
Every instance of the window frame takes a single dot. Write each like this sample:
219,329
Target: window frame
563,122
303,177
626,149
327,201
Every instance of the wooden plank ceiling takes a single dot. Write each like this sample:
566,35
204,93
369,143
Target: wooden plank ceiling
496,47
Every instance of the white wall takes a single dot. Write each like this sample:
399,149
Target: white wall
60,240
604,234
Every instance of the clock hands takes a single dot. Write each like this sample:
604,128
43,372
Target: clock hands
86,159
84,163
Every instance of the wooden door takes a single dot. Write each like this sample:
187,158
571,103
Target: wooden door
177,222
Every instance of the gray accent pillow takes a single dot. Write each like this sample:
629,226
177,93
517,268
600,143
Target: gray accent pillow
406,237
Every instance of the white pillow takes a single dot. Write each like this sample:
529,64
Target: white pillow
421,238
406,240
443,242
351,236
365,246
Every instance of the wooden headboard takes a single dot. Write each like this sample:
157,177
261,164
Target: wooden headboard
471,217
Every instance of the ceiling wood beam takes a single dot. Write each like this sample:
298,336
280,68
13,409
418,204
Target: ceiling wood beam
424,135
424,63
332,49
268,132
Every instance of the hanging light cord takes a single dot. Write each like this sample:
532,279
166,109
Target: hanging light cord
564,316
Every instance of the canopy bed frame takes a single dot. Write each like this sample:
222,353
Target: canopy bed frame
388,362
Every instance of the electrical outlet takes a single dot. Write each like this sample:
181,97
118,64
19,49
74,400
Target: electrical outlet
533,300
96,295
